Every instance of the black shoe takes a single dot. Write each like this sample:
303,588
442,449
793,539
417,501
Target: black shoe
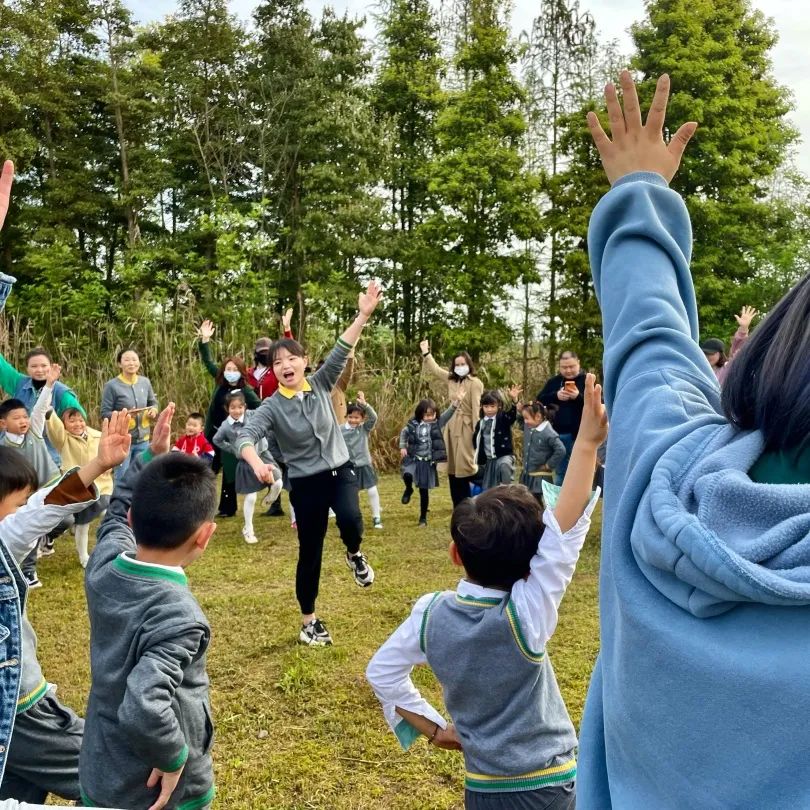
406,496
275,509
315,634
422,522
225,514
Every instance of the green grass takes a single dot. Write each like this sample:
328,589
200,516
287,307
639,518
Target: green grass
299,728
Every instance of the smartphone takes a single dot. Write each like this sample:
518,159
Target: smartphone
570,386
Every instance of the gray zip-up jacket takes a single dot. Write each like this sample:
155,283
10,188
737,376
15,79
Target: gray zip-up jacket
119,394
357,438
148,705
304,424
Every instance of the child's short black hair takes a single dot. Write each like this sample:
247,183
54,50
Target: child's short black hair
291,345
355,408
71,412
536,409
234,396
11,405
491,398
16,473
423,407
496,534
196,415
173,496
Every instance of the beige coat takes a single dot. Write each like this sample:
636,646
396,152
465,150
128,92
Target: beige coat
458,434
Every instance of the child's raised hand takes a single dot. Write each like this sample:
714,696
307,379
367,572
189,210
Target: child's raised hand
638,147
114,444
747,314
424,346
593,428
367,302
361,398
53,374
6,180
514,393
162,431
206,331
460,396
286,320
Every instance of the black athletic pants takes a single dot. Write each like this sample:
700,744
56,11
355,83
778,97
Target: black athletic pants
459,488
312,497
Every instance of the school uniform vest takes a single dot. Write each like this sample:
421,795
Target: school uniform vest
503,696
502,440
439,450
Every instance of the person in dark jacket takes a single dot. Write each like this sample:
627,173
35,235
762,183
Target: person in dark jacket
230,375
492,439
566,392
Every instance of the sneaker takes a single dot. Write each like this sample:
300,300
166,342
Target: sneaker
250,537
34,582
315,634
225,514
378,523
363,572
422,523
406,496
272,498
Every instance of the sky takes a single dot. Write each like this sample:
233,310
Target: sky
791,56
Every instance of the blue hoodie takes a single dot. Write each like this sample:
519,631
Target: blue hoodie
701,693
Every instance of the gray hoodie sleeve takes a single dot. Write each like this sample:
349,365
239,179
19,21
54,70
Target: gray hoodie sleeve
223,438
107,400
151,399
146,715
259,425
447,416
371,419
329,373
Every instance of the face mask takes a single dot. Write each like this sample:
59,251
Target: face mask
462,371
233,376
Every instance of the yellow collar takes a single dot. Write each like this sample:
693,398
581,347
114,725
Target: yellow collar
289,393
128,380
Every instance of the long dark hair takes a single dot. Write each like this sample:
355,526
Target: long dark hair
768,384
452,375
240,365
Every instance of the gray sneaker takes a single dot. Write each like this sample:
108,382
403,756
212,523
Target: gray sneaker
315,634
363,572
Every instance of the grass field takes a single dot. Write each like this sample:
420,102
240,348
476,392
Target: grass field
296,727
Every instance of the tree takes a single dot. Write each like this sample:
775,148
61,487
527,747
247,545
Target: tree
484,197
408,98
717,53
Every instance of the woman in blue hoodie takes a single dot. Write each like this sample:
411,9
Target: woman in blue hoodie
700,694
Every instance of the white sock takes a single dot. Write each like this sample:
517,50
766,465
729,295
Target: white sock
292,513
82,537
248,508
374,502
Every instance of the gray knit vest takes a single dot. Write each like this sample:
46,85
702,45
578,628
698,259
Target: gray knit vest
503,696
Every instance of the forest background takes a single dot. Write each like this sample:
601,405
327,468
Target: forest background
201,167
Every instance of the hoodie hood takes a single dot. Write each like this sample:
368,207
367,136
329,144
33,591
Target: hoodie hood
708,537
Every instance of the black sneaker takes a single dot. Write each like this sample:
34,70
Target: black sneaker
406,496
363,572
422,523
315,634
33,582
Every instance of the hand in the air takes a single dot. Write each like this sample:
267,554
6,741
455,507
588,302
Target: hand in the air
206,331
368,301
115,441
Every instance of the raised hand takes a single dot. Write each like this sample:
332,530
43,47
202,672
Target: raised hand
424,346
514,393
460,396
162,431
114,444
367,302
593,428
747,314
360,399
286,320
54,373
206,331
6,180
637,147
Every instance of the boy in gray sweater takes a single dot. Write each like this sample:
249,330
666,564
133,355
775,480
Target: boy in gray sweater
148,729
486,641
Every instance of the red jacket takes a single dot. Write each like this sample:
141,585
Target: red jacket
195,446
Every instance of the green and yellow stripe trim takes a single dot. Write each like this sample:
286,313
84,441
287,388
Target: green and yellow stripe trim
26,701
423,626
125,565
177,762
536,657
555,775
478,601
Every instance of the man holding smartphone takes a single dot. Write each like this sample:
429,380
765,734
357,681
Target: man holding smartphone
565,393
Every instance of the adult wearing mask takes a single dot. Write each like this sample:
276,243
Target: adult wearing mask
27,388
566,394
458,433
134,392
230,375
715,349
260,376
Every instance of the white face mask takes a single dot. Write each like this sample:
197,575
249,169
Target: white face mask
232,376
462,371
